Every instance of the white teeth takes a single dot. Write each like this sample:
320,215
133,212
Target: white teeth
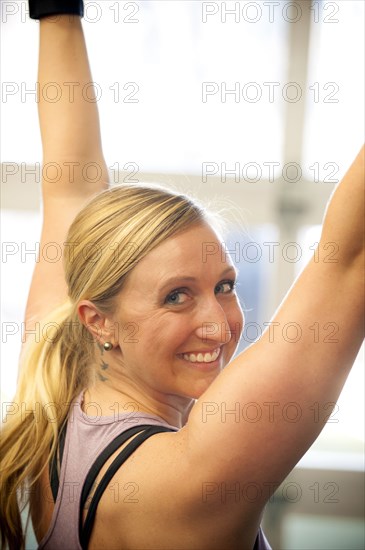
202,357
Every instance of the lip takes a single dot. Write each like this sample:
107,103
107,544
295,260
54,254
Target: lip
200,365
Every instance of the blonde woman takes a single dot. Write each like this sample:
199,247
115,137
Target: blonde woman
131,432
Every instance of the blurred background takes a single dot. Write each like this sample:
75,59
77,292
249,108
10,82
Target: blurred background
253,108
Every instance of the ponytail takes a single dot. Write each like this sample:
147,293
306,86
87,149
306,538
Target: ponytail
56,369
53,370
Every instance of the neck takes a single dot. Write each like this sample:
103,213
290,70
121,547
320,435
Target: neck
128,399
115,387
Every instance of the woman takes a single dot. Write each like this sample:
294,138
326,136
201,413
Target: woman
134,346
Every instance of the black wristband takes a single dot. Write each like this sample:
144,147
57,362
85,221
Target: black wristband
43,8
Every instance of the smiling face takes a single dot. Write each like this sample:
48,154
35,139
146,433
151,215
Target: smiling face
181,301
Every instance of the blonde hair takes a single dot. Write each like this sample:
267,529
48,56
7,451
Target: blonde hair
106,240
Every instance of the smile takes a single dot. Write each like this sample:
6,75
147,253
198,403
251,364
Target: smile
208,357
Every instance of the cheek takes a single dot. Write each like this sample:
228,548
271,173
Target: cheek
161,335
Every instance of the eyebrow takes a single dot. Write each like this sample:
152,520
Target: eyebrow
176,280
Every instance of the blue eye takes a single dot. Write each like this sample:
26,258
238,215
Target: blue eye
171,298
231,287
225,287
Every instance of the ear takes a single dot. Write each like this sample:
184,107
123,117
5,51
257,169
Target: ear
97,323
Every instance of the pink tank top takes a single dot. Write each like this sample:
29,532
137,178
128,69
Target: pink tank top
87,438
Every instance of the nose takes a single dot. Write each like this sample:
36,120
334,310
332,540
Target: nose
213,325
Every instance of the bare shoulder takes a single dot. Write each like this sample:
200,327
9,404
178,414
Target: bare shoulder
161,498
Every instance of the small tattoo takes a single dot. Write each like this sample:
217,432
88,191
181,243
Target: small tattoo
101,377
104,365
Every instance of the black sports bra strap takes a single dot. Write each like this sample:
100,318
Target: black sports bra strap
86,530
103,457
53,467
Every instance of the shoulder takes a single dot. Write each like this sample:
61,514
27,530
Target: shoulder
161,488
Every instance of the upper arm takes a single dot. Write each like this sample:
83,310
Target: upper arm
266,408
73,165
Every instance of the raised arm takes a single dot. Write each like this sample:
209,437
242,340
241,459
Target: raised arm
73,165
267,407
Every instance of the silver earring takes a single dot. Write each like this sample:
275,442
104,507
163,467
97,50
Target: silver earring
108,346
